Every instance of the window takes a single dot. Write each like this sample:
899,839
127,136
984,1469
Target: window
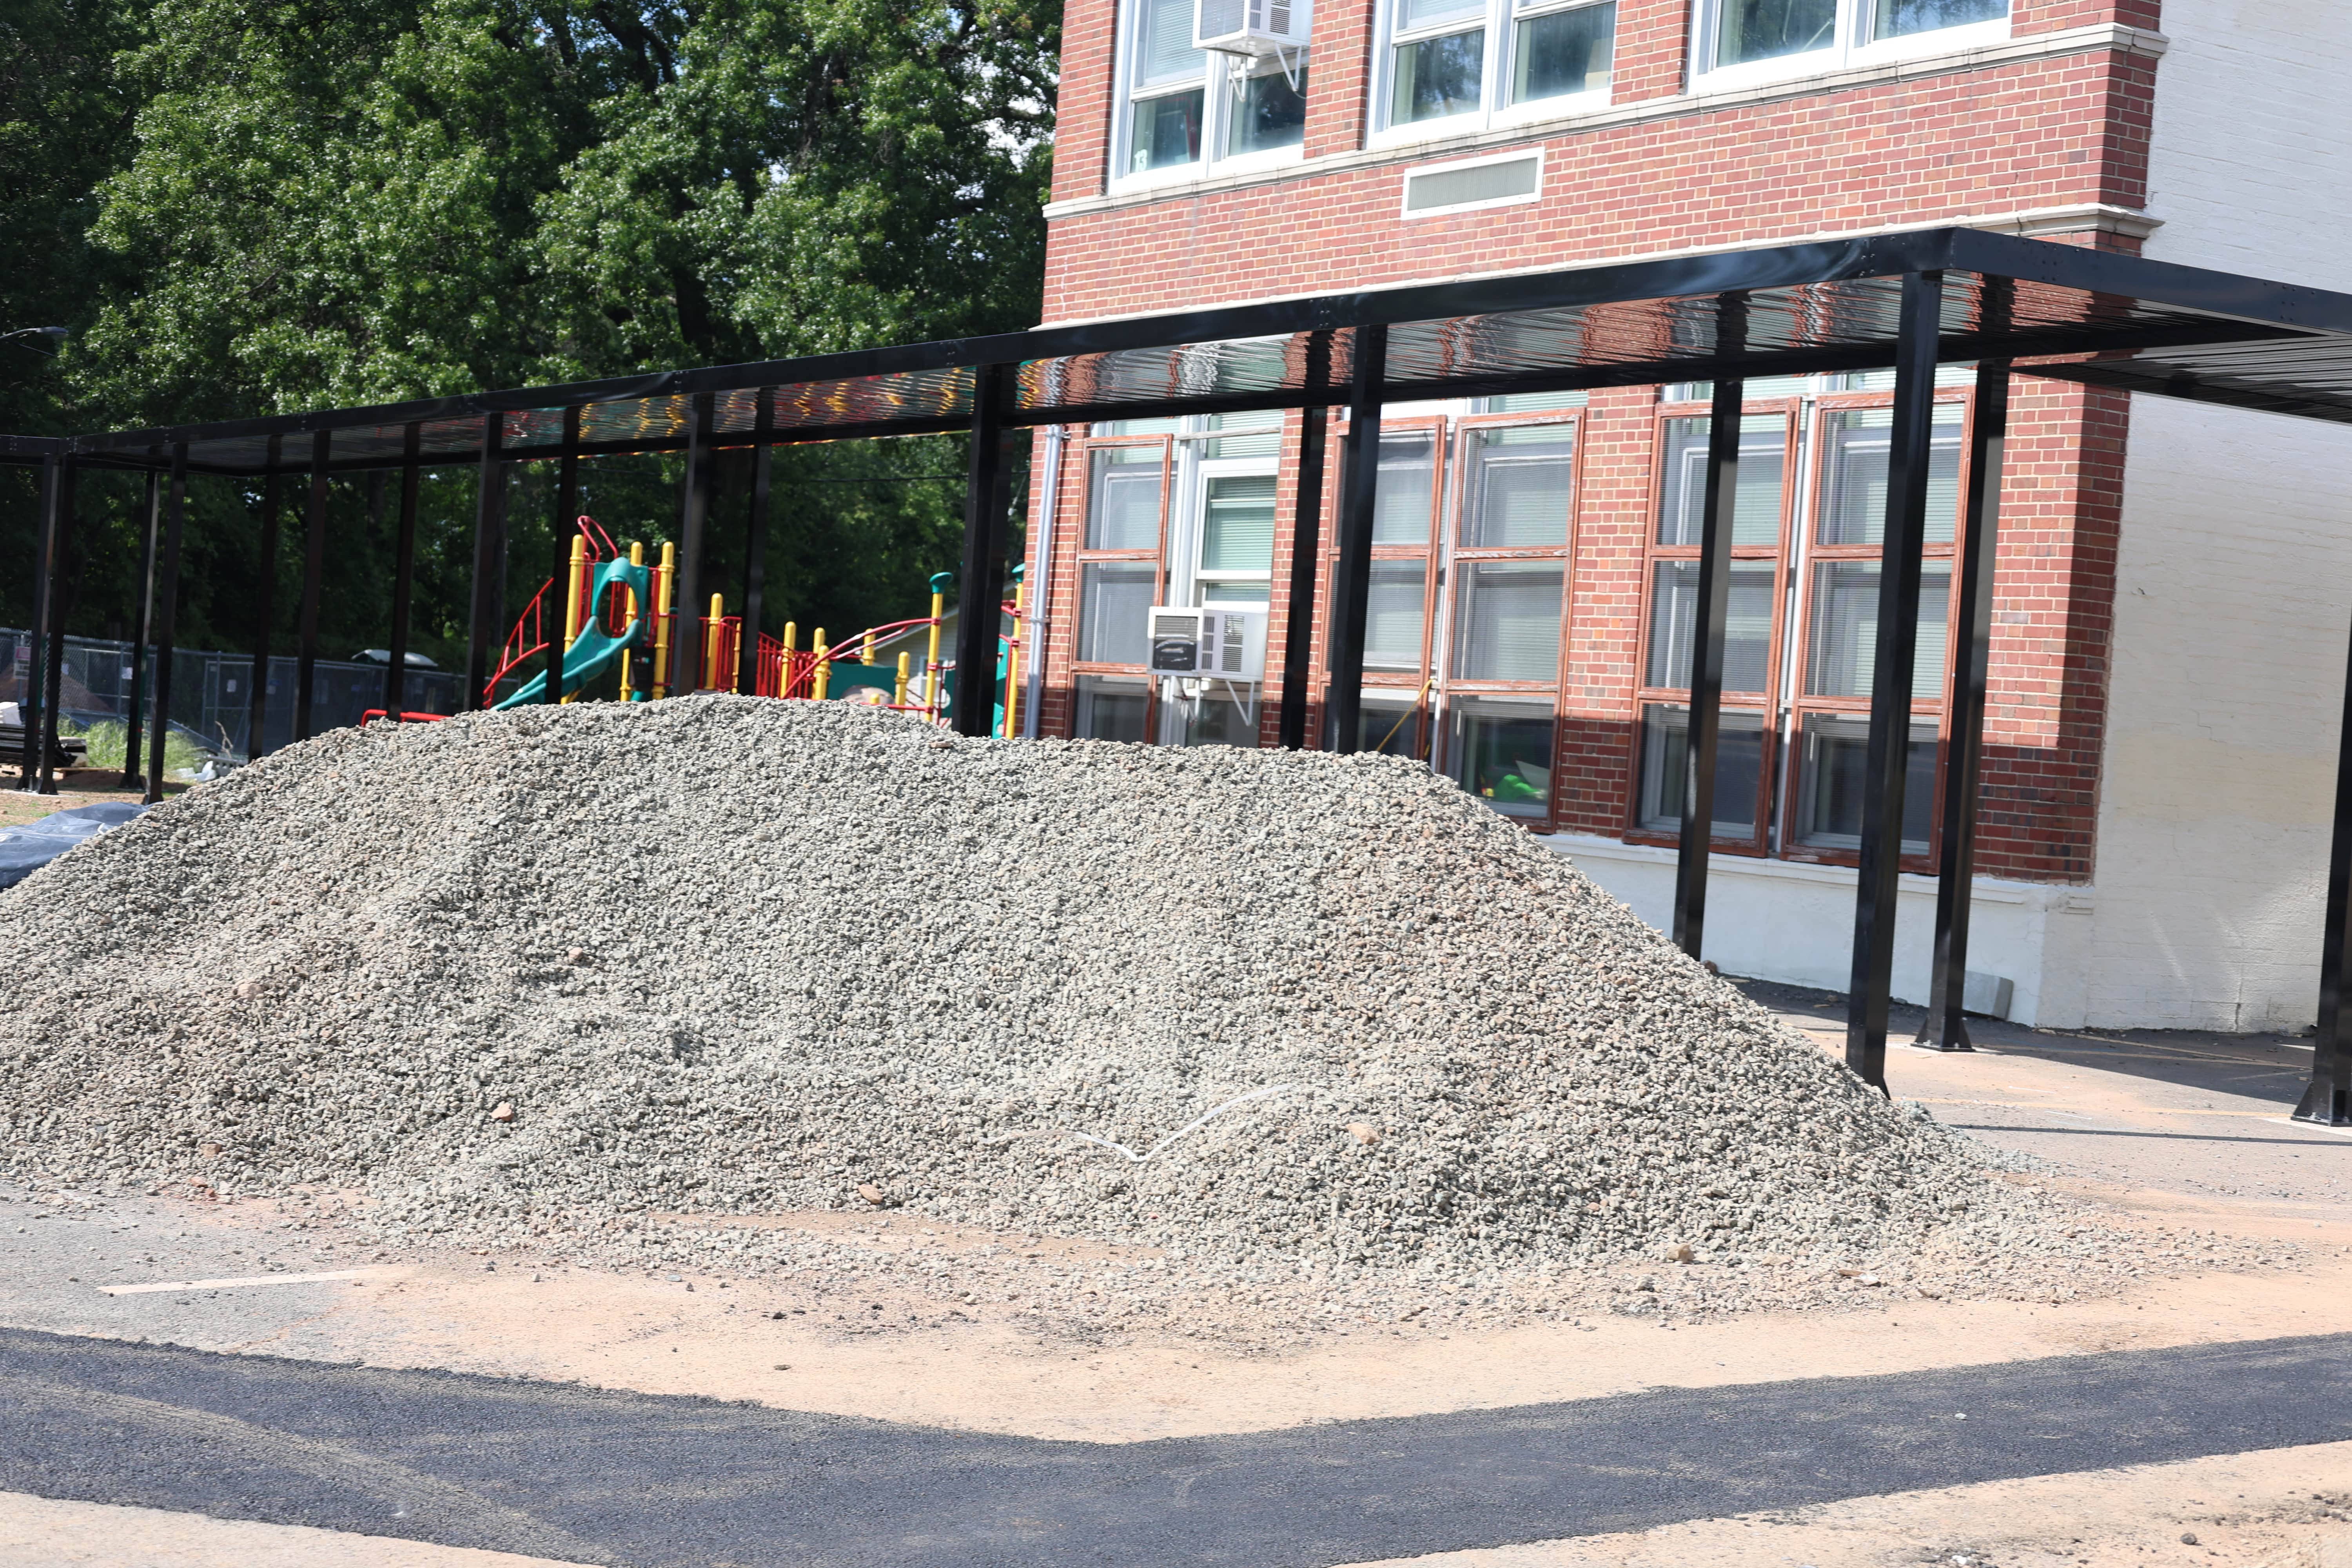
1115,600
1452,63
1118,560
1518,486
1808,517
1398,617
1111,709
1188,107
1501,751
1742,39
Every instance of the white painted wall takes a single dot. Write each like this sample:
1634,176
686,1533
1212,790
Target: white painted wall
1776,920
2234,578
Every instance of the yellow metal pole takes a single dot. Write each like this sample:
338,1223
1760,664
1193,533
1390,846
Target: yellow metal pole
662,581
573,580
784,681
898,691
713,636
628,671
1013,662
931,659
823,666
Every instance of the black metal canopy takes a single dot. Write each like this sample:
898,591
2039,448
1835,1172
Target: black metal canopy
2145,326
1910,300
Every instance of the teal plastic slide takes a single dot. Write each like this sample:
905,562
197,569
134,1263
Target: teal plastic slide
594,650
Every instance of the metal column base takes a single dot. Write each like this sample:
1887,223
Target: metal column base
2326,1105
1953,1038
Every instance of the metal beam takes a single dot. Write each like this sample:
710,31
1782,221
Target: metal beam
257,741
483,610
404,582
1707,633
29,699
693,528
167,611
1351,568
133,725
2328,1098
314,577
755,547
988,498
1305,553
1897,640
1946,1029
566,528
59,595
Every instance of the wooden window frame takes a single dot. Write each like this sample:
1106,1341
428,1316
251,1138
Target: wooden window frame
1086,556
1758,843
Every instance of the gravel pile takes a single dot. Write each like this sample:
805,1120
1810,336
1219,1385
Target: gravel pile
555,977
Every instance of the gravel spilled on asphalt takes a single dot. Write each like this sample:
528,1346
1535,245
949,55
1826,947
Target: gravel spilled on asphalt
595,980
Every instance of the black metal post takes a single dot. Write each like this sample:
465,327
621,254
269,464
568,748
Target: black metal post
490,558
988,497
567,528
755,546
1306,549
687,608
167,608
266,609
133,727
403,573
28,700
2328,1099
1890,691
1946,1028
314,576
1351,571
59,593
1708,630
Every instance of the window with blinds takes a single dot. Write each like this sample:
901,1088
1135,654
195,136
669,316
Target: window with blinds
1123,497
1843,647
1853,465
1393,625
1747,627
1522,481
1115,599
1508,616
1755,501
1402,504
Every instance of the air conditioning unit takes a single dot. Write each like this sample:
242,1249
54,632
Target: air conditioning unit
1258,27
1208,645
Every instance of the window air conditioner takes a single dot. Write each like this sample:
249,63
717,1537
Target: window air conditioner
1208,645
1258,27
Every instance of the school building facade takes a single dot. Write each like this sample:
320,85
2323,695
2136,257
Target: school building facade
2153,824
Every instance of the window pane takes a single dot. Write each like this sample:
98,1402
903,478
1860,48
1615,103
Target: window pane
1438,77
1521,482
1390,728
1566,51
1762,29
1756,508
1123,499
1532,402
1844,638
1748,625
1217,720
1833,781
1110,709
1167,132
1393,627
1414,13
1243,594
1665,766
1400,508
1115,600
1895,18
1166,45
1853,509
1267,113
1237,525
1502,752
1508,621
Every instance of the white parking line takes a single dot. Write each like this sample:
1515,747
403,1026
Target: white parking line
2310,1126
232,1284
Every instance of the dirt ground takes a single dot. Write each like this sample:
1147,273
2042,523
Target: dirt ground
76,786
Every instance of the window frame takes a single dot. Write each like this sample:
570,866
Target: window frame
1219,88
1452,559
1851,47
1085,555
1933,703
1499,19
1768,704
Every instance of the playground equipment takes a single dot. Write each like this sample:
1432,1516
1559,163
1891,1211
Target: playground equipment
617,611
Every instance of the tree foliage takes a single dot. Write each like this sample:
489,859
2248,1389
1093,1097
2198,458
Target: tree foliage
276,205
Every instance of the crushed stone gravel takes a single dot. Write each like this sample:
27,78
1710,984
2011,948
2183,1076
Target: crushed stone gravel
1115,1035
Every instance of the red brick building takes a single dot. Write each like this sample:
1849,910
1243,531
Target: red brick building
1534,556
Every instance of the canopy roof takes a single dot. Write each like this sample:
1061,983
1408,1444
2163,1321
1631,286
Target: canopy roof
2064,311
